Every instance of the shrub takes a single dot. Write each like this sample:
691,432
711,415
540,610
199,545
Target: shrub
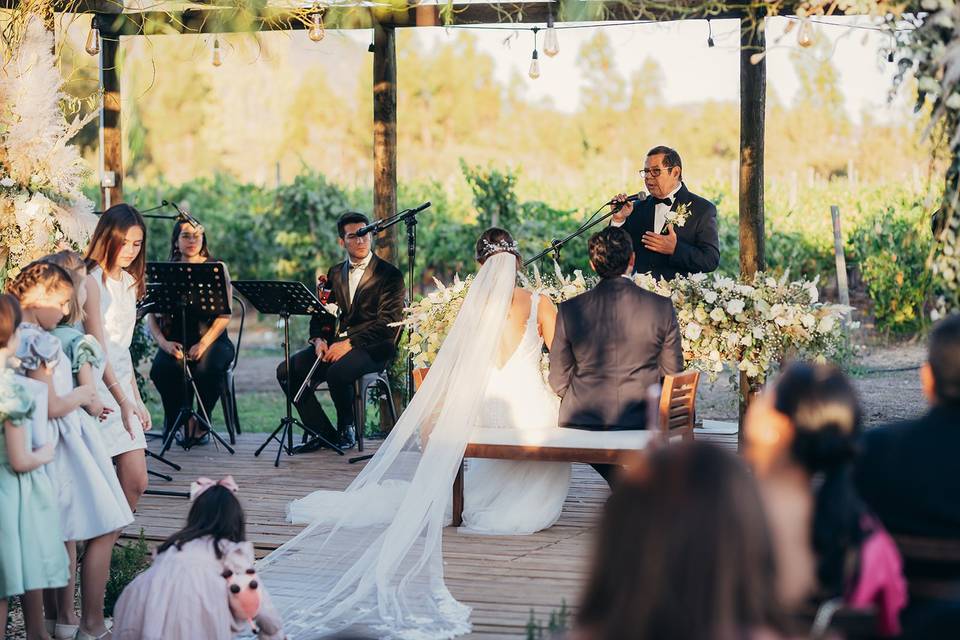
127,563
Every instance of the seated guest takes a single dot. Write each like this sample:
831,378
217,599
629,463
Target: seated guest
369,294
185,593
206,345
663,249
682,551
829,545
611,343
906,472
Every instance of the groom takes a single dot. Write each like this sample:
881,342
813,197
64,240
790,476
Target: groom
610,344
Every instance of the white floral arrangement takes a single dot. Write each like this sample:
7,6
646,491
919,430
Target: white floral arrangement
42,207
677,217
749,325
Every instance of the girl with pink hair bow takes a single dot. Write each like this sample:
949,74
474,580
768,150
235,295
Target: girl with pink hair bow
190,590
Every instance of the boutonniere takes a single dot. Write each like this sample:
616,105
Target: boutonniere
678,217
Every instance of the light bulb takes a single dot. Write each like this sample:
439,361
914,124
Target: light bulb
217,59
316,31
93,41
551,44
534,66
805,34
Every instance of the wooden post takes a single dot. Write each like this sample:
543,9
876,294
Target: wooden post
111,136
753,90
842,286
385,135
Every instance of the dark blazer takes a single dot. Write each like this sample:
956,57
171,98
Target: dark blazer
698,242
377,303
611,343
907,473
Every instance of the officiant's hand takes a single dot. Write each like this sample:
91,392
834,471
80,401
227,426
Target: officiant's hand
659,243
626,208
337,350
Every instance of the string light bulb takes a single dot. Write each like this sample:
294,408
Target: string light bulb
316,32
217,58
534,71
93,38
805,34
551,44
710,42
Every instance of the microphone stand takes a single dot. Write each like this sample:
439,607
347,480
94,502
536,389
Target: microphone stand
556,245
409,216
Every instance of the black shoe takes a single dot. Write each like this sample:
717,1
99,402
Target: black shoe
347,438
309,447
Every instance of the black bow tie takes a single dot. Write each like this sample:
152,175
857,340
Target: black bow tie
666,201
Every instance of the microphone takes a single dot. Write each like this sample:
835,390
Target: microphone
640,196
183,214
377,225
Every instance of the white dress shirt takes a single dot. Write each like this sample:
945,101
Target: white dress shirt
356,273
660,211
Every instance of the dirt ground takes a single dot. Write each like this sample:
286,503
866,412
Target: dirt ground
886,377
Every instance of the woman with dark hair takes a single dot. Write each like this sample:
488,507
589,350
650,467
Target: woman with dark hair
185,593
206,345
115,281
801,440
683,551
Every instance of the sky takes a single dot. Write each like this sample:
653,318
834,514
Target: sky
693,71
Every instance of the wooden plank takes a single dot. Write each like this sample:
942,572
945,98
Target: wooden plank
385,136
111,135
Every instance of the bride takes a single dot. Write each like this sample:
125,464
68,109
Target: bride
370,561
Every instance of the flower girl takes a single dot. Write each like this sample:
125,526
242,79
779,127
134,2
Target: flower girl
91,501
32,555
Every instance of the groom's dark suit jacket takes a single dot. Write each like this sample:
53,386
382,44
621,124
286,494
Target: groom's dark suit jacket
698,242
611,343
377,303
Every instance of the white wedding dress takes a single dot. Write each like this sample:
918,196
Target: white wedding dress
514,497
370,562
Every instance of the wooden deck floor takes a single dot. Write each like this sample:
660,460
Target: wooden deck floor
501,578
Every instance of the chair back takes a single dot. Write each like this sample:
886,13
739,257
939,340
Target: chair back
238,302
418,376
678,405
931,566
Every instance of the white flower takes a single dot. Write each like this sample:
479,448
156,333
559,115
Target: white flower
697,277
735,306
717,315
953,102
808,320
693,331
930,5
710,296
715,355
7,182
826,324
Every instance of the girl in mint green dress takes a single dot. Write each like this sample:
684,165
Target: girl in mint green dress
32,555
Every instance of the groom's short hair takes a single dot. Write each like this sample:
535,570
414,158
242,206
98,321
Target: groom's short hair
350,217
610,251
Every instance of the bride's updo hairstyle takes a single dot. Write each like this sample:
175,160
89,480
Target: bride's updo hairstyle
495,240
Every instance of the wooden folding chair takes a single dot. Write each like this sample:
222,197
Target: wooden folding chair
678,405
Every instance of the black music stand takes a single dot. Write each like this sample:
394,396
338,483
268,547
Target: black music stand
284,299
174,288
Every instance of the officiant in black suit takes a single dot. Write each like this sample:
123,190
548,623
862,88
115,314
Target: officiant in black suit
369,293
663,249
610,344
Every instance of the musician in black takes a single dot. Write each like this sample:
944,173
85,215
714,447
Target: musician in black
208,349
369,294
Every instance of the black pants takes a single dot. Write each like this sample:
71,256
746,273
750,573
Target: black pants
340,377
167,375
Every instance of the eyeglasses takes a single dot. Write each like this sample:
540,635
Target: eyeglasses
653,173
352,237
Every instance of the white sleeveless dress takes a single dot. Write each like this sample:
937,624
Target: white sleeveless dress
118,306
516,497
